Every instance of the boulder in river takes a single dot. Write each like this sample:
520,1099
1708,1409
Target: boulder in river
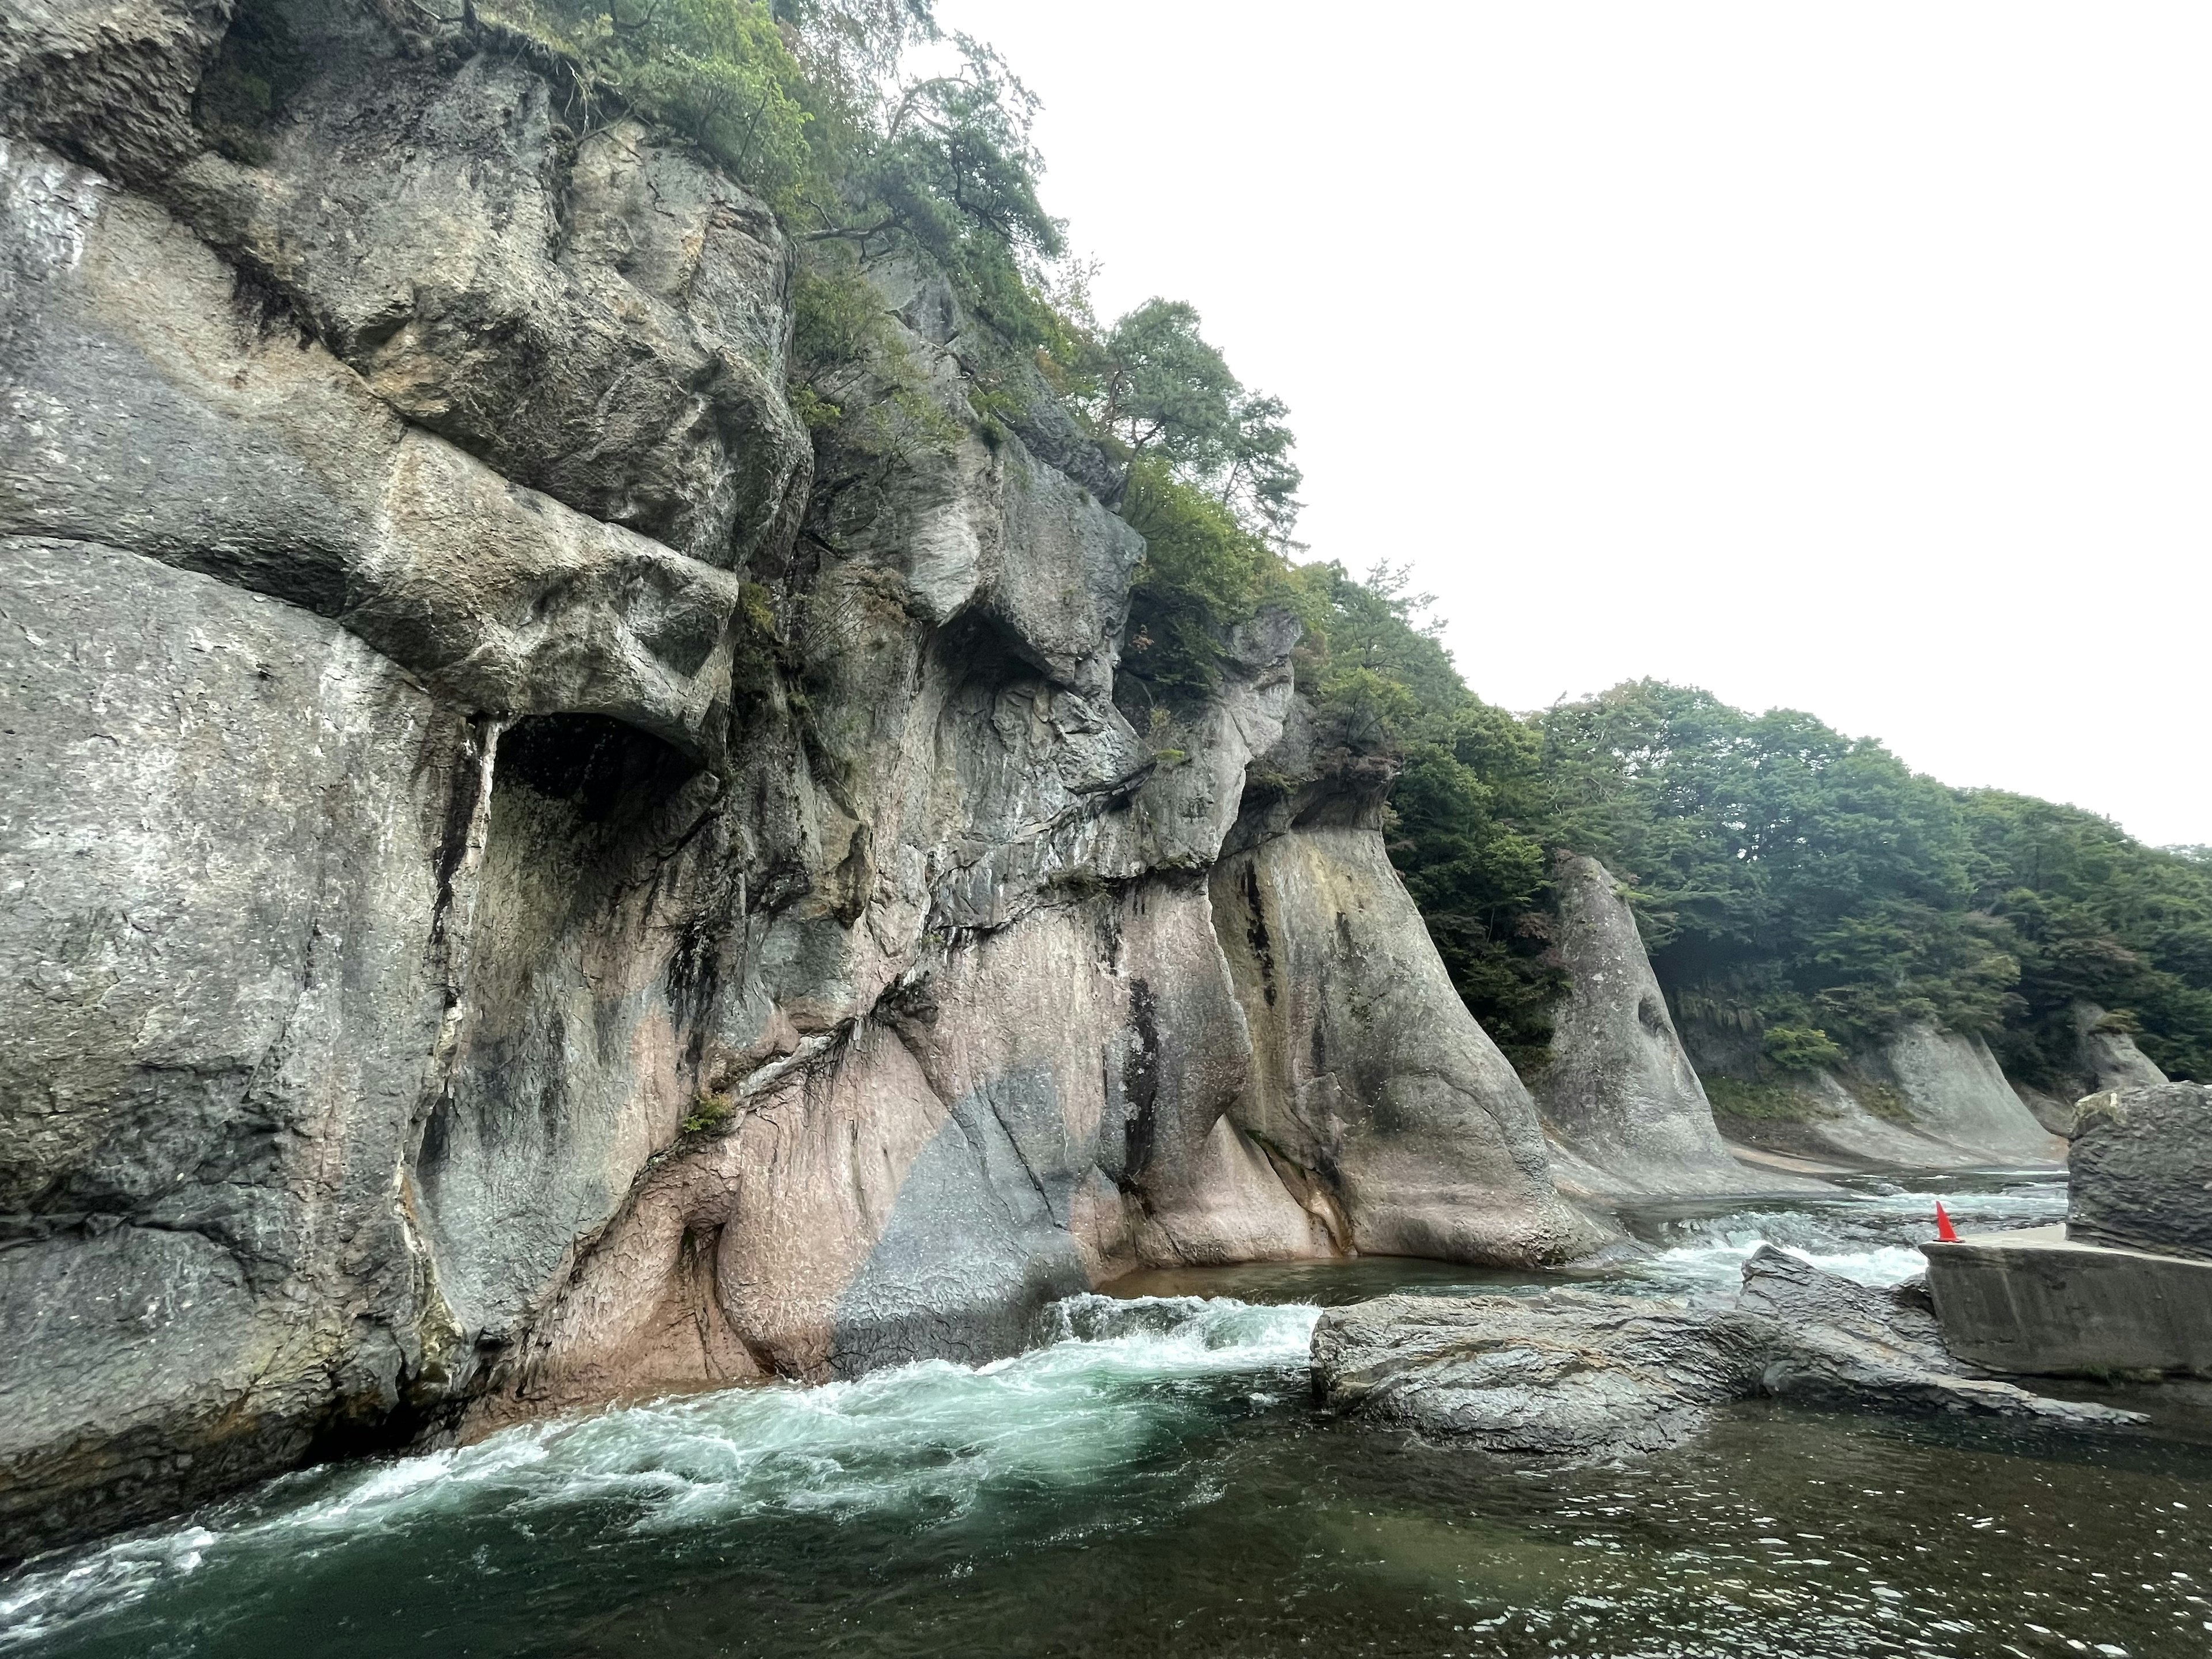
2141,1172
1572,1372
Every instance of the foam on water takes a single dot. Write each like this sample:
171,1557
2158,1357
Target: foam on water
926,1441
1872,1236
1085,1430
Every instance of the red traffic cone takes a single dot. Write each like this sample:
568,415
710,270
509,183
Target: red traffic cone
1944,1230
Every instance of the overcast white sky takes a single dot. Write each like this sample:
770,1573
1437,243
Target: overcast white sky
1851,357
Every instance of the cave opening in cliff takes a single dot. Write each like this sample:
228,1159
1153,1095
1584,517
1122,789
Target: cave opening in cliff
606,769
569,930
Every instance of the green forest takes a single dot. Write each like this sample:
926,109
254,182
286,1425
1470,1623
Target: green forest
1794,884
1799,885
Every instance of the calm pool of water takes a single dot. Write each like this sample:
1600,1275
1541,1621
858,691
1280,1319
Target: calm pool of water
1151,1480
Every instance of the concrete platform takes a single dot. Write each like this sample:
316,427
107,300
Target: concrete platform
2040,1303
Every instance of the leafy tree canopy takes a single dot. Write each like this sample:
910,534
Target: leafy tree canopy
1812,885
1209,482
1152,387
811,103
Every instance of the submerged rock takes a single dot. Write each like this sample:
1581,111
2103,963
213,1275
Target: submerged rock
1574,1372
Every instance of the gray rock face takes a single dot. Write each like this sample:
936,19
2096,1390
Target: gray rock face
1928,1100
1572,1373
495,913
109,82
2107,1056
2141,1174
2054,1114
223,826
152,408
1839,1124
1954,1092
1375,1091
610,327
1618,1091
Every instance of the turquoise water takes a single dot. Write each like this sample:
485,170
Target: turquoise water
1151,1479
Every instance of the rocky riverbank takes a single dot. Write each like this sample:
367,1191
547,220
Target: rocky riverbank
1575,1373
537,870
531,876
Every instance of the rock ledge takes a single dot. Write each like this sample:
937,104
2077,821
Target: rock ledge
1575,1373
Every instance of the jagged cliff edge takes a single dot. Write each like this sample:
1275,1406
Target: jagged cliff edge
522,883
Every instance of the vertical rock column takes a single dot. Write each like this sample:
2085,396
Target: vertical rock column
1373,1088
1620,1090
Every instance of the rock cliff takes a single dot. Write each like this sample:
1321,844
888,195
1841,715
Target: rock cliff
2106,1058
1953,1093
1629,1114
525,879
1923,1098
1620,1090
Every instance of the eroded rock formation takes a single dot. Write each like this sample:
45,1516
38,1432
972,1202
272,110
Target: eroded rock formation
2141,1175
523,880
1926,1098
1572,1373
1386,1107
1620,1090
1953,1093
2105,1058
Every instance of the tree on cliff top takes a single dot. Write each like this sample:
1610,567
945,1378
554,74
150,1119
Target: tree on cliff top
1156,388
1464,823
818,105
809,103
1210,484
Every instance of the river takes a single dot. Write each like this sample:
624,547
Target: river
1151,1480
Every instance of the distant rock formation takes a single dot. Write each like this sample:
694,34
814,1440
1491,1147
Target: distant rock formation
1838,1120
1954,1092
1628,1113
2108,1057
2105,1058
1618,1092
1926,1098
